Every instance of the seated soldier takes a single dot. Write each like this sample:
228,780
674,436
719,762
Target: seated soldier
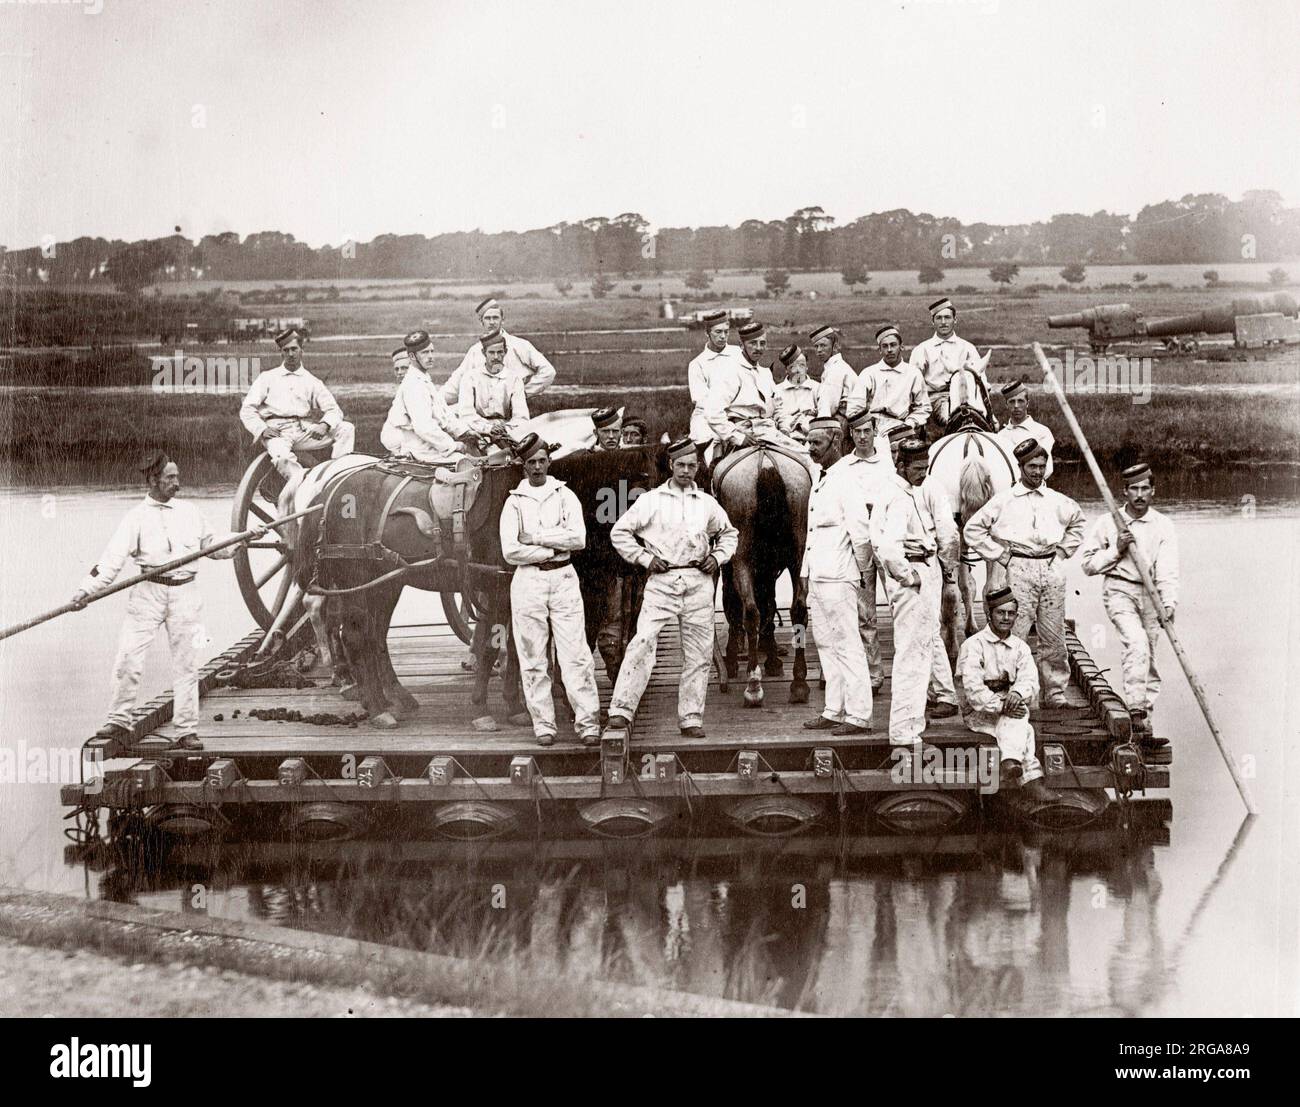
999,681
428,429
491,401
741,405
796,396
289,411
390,435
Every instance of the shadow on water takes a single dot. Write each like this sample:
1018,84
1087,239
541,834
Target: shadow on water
981,923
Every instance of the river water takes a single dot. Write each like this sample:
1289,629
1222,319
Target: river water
1191,914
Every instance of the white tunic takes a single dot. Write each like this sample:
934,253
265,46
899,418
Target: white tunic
1154,536
738,390
938,359
838,379
1015,433
678,525
278,395
152,534
523,360
839,529
699,376
1025,520
550,514
428,427
895,393
796,404
485,398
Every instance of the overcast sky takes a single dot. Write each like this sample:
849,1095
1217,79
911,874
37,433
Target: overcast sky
335,120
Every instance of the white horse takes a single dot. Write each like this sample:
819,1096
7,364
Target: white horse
971,466
970,389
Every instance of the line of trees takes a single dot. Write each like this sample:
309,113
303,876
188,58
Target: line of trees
1198,229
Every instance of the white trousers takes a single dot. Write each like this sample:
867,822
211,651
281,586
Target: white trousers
545,605
178,609
833,606
412,445
916,640
684,596
1039,587
289,438
1133,616
867,625
1015,740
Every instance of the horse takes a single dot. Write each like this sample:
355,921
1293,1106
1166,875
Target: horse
390,524
764,492
971,465
606,483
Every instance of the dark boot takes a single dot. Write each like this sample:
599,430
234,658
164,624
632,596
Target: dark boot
820,722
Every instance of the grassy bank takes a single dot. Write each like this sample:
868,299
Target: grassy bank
79,436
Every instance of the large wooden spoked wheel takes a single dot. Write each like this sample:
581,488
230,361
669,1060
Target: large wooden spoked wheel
263,568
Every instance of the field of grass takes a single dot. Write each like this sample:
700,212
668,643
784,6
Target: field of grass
54,430
741,283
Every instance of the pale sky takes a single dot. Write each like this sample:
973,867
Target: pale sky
334,120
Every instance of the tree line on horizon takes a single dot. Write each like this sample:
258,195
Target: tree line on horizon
1199,228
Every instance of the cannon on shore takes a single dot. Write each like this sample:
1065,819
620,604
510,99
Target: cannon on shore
1253,321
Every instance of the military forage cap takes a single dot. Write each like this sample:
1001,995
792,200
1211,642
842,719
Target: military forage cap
1027,450
401,356
1014,388
789,354
530,444
153,462
913,448
683,447
939,305
861,419
605,417
494,337
826,423
634,421
826,331
998,597
416,341
888,331
713,318
903,430
750,331
1135,474
483,305
286,336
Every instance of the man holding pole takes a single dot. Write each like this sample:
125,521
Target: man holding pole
1108,552
159,530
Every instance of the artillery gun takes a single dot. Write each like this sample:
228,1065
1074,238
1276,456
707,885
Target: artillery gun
1252,321
1105,324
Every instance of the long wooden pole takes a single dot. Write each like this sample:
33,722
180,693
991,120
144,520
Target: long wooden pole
233,540
1147,582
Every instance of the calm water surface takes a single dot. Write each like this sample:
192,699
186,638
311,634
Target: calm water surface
1193,913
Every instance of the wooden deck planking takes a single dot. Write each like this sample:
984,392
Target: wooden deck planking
428,661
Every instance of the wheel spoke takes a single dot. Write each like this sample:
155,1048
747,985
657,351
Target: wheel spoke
265,516
280,564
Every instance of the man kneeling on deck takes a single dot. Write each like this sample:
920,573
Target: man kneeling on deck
541,525
685,539
999,680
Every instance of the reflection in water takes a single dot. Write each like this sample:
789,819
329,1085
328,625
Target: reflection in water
972,924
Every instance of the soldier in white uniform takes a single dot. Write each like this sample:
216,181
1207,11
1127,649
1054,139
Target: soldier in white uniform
541,525
891,388
491,400
796,396
390,435
288,410
699,374
1031,531
1020,426
915,542
609,428
522,359
999,681
870,467
159,530
1109,554
940,356
685,538
838,376
425,427
837,555
741,405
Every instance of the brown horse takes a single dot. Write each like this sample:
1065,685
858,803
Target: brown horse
764,492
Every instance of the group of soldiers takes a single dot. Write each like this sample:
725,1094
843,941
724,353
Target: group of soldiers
873,512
